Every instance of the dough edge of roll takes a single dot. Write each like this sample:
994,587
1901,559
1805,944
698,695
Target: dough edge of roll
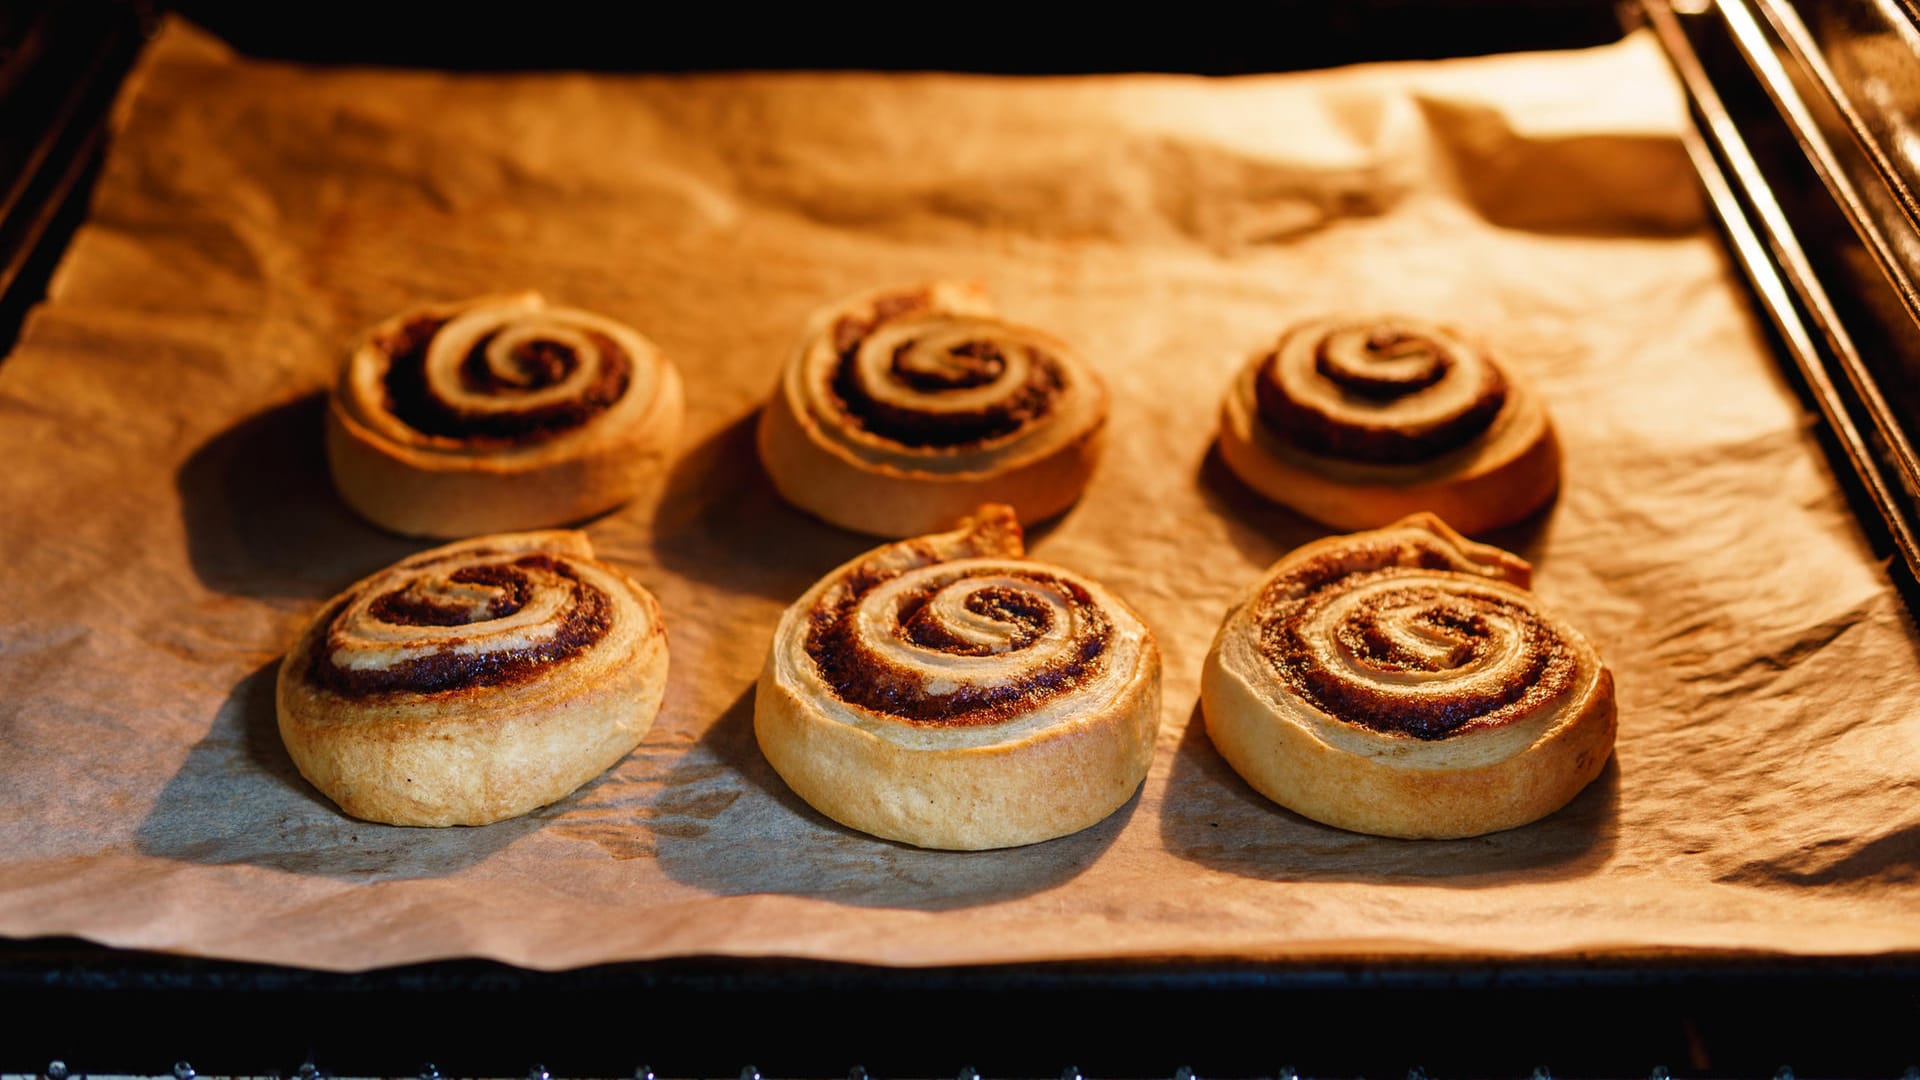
1479,487
417,492
818,476
1044,784
1285,761
884,501
531,745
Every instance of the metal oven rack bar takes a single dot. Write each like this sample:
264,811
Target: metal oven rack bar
1806,148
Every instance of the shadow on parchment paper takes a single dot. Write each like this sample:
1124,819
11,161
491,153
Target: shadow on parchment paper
1222,823
1842,862
767,840
261,515
1265,530
721,522
1527,537
238,799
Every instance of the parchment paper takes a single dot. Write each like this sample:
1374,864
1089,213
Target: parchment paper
168,523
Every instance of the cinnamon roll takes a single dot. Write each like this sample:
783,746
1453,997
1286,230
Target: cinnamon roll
473,682
498,413
951,693
902,410
1404,682
1358,422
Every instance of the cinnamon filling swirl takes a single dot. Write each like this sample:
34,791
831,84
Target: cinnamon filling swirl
499,374
956,646
1375,637
503,592
849,331
1382,393
939,382
399,628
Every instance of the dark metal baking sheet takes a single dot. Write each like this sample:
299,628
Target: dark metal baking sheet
106,1010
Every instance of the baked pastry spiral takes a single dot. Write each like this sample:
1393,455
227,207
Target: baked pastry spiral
1359,422
498,413
1404,682
473,682
902,410
951,693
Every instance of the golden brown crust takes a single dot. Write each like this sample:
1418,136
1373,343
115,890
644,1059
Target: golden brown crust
473,682
949,693
498,413
903,409
1482,712
1506,468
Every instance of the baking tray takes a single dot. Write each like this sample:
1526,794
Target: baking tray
103,1010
